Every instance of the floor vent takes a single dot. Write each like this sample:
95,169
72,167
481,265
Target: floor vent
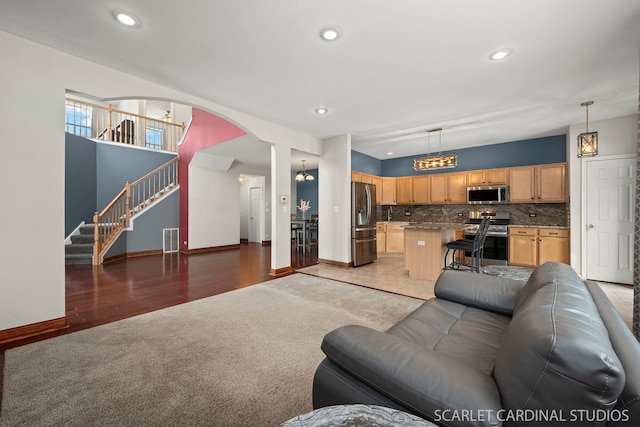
170,240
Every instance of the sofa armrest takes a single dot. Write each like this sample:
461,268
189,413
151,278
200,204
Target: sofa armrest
483,291
430,384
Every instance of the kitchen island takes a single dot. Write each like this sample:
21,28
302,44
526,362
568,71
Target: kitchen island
425,245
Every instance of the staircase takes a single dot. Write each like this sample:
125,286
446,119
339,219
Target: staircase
133,199
80,251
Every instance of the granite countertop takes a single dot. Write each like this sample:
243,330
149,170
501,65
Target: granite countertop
562,227
437,226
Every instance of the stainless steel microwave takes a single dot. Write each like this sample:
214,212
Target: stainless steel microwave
488,195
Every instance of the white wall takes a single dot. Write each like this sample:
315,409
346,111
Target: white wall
281,212
615,136
334,200
214,208
33,82
32,164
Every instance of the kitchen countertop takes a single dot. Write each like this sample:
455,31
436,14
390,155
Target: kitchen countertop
561,227
436,226
460,226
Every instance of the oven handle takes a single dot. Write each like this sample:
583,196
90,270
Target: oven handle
488,234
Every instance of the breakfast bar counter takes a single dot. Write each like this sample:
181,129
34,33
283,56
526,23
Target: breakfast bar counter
425,245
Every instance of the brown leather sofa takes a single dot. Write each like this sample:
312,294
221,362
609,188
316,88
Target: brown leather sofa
490,351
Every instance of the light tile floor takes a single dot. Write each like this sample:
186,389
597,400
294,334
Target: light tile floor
387,273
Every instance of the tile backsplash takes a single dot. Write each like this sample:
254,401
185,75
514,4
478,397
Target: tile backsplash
521,214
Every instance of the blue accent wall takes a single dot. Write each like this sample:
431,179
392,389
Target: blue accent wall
147,227
97,172
308,191
116,165
536,151
367,164
80,184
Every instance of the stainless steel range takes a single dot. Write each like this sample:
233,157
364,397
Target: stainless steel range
496,250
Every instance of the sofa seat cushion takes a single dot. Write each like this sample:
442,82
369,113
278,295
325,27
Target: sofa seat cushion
469,335
425,382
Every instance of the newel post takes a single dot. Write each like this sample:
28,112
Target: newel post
96,239
127,197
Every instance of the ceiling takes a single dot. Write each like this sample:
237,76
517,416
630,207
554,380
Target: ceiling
398,69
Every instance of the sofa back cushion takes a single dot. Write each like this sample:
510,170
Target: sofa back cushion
555,356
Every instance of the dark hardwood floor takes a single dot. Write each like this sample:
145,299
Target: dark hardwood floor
134,286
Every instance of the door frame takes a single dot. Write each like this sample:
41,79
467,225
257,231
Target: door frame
583,207
259,224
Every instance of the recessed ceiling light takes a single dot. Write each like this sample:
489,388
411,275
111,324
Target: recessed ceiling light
500,53
390,153
322,110
329,33
125,18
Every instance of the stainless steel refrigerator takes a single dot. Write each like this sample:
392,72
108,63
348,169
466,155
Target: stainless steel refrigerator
363,223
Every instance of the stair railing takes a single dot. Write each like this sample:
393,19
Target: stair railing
109,124
133,199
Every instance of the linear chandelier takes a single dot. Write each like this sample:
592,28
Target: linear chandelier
439,161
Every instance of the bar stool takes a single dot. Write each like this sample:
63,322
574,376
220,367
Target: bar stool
312,230
296,230
475,248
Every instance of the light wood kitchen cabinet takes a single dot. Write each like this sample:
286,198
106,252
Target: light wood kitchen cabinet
412,190
395,237
552,182
404,193
532,247
377,181
553,245
538,184
381,237
388,191
420,189
488,177
356,176
367,178
523,246
457,187
448,188
438,189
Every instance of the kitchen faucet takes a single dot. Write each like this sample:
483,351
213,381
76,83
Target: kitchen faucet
389,212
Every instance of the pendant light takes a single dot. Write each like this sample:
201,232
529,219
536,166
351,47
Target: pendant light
304,176
587,141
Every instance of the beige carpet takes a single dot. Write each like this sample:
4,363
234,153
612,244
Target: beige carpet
387,273
243,358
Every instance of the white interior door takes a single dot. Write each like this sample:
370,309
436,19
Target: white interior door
255,214
609,219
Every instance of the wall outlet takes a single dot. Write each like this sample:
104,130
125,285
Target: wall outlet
460,214
407,214
420,242
532,215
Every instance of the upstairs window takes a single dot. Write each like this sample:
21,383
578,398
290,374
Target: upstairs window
154,138
78,118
